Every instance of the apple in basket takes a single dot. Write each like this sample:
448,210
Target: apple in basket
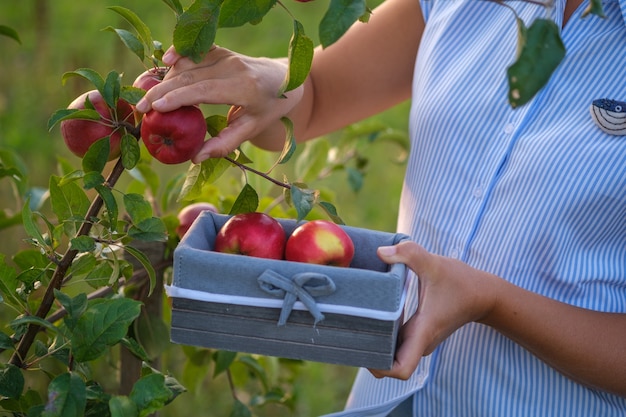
320,242
252,234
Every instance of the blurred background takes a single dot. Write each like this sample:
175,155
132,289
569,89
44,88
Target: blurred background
64,35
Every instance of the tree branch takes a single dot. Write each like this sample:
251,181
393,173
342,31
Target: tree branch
59,274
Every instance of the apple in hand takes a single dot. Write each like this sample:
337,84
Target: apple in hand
174,137
320,242
148,79
252,234
188,214
80,134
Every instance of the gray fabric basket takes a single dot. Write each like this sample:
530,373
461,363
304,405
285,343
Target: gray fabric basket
222,300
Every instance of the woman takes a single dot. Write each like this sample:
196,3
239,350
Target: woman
518,216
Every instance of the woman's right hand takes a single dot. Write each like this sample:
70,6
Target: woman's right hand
249,85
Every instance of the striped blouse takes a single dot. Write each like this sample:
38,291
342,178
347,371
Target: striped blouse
536,195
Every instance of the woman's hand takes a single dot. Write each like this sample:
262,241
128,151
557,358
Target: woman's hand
451,295
249,85
586,345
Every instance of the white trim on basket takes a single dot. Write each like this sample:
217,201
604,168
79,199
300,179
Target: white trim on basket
177,292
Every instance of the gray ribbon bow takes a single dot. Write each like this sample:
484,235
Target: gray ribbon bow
303,286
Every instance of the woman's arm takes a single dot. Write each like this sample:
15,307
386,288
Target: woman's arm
587,346
368,70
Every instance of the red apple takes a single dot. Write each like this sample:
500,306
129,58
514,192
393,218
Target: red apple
188,214
320,242
252,234
148,79
176,136
80,134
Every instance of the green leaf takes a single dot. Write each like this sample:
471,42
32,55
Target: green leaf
223,360
240,410
66,114
247,201
92,180
152,333
143,31
312,160
300,57
34,320
236,13
82,265
131,41
131,153
103,324
11,382
355,178
6,342
195,29
256,368
111,91
66,396
594,7
136,349
101,275
97,155
198,175
137,207
83,244
8,282
175,6
341,14
69,202
174,386
149,230
11,33
290,141
74,306
331,211
29,224
150,394
131,94
540,56
109,202
122,406
90,75
303,199
145,262
215,124
71,177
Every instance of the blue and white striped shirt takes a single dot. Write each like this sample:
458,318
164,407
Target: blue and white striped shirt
536,195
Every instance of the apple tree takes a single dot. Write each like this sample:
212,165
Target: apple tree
80,291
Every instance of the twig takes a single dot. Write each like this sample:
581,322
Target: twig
262,174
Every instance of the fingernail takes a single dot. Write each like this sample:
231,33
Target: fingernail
142,106
198,158
387,250
168,57
156,104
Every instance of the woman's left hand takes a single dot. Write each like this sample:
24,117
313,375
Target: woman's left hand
451,294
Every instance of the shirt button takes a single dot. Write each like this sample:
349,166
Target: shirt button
454,253
478,192
509,128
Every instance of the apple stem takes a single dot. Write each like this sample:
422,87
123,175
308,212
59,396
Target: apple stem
262,174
